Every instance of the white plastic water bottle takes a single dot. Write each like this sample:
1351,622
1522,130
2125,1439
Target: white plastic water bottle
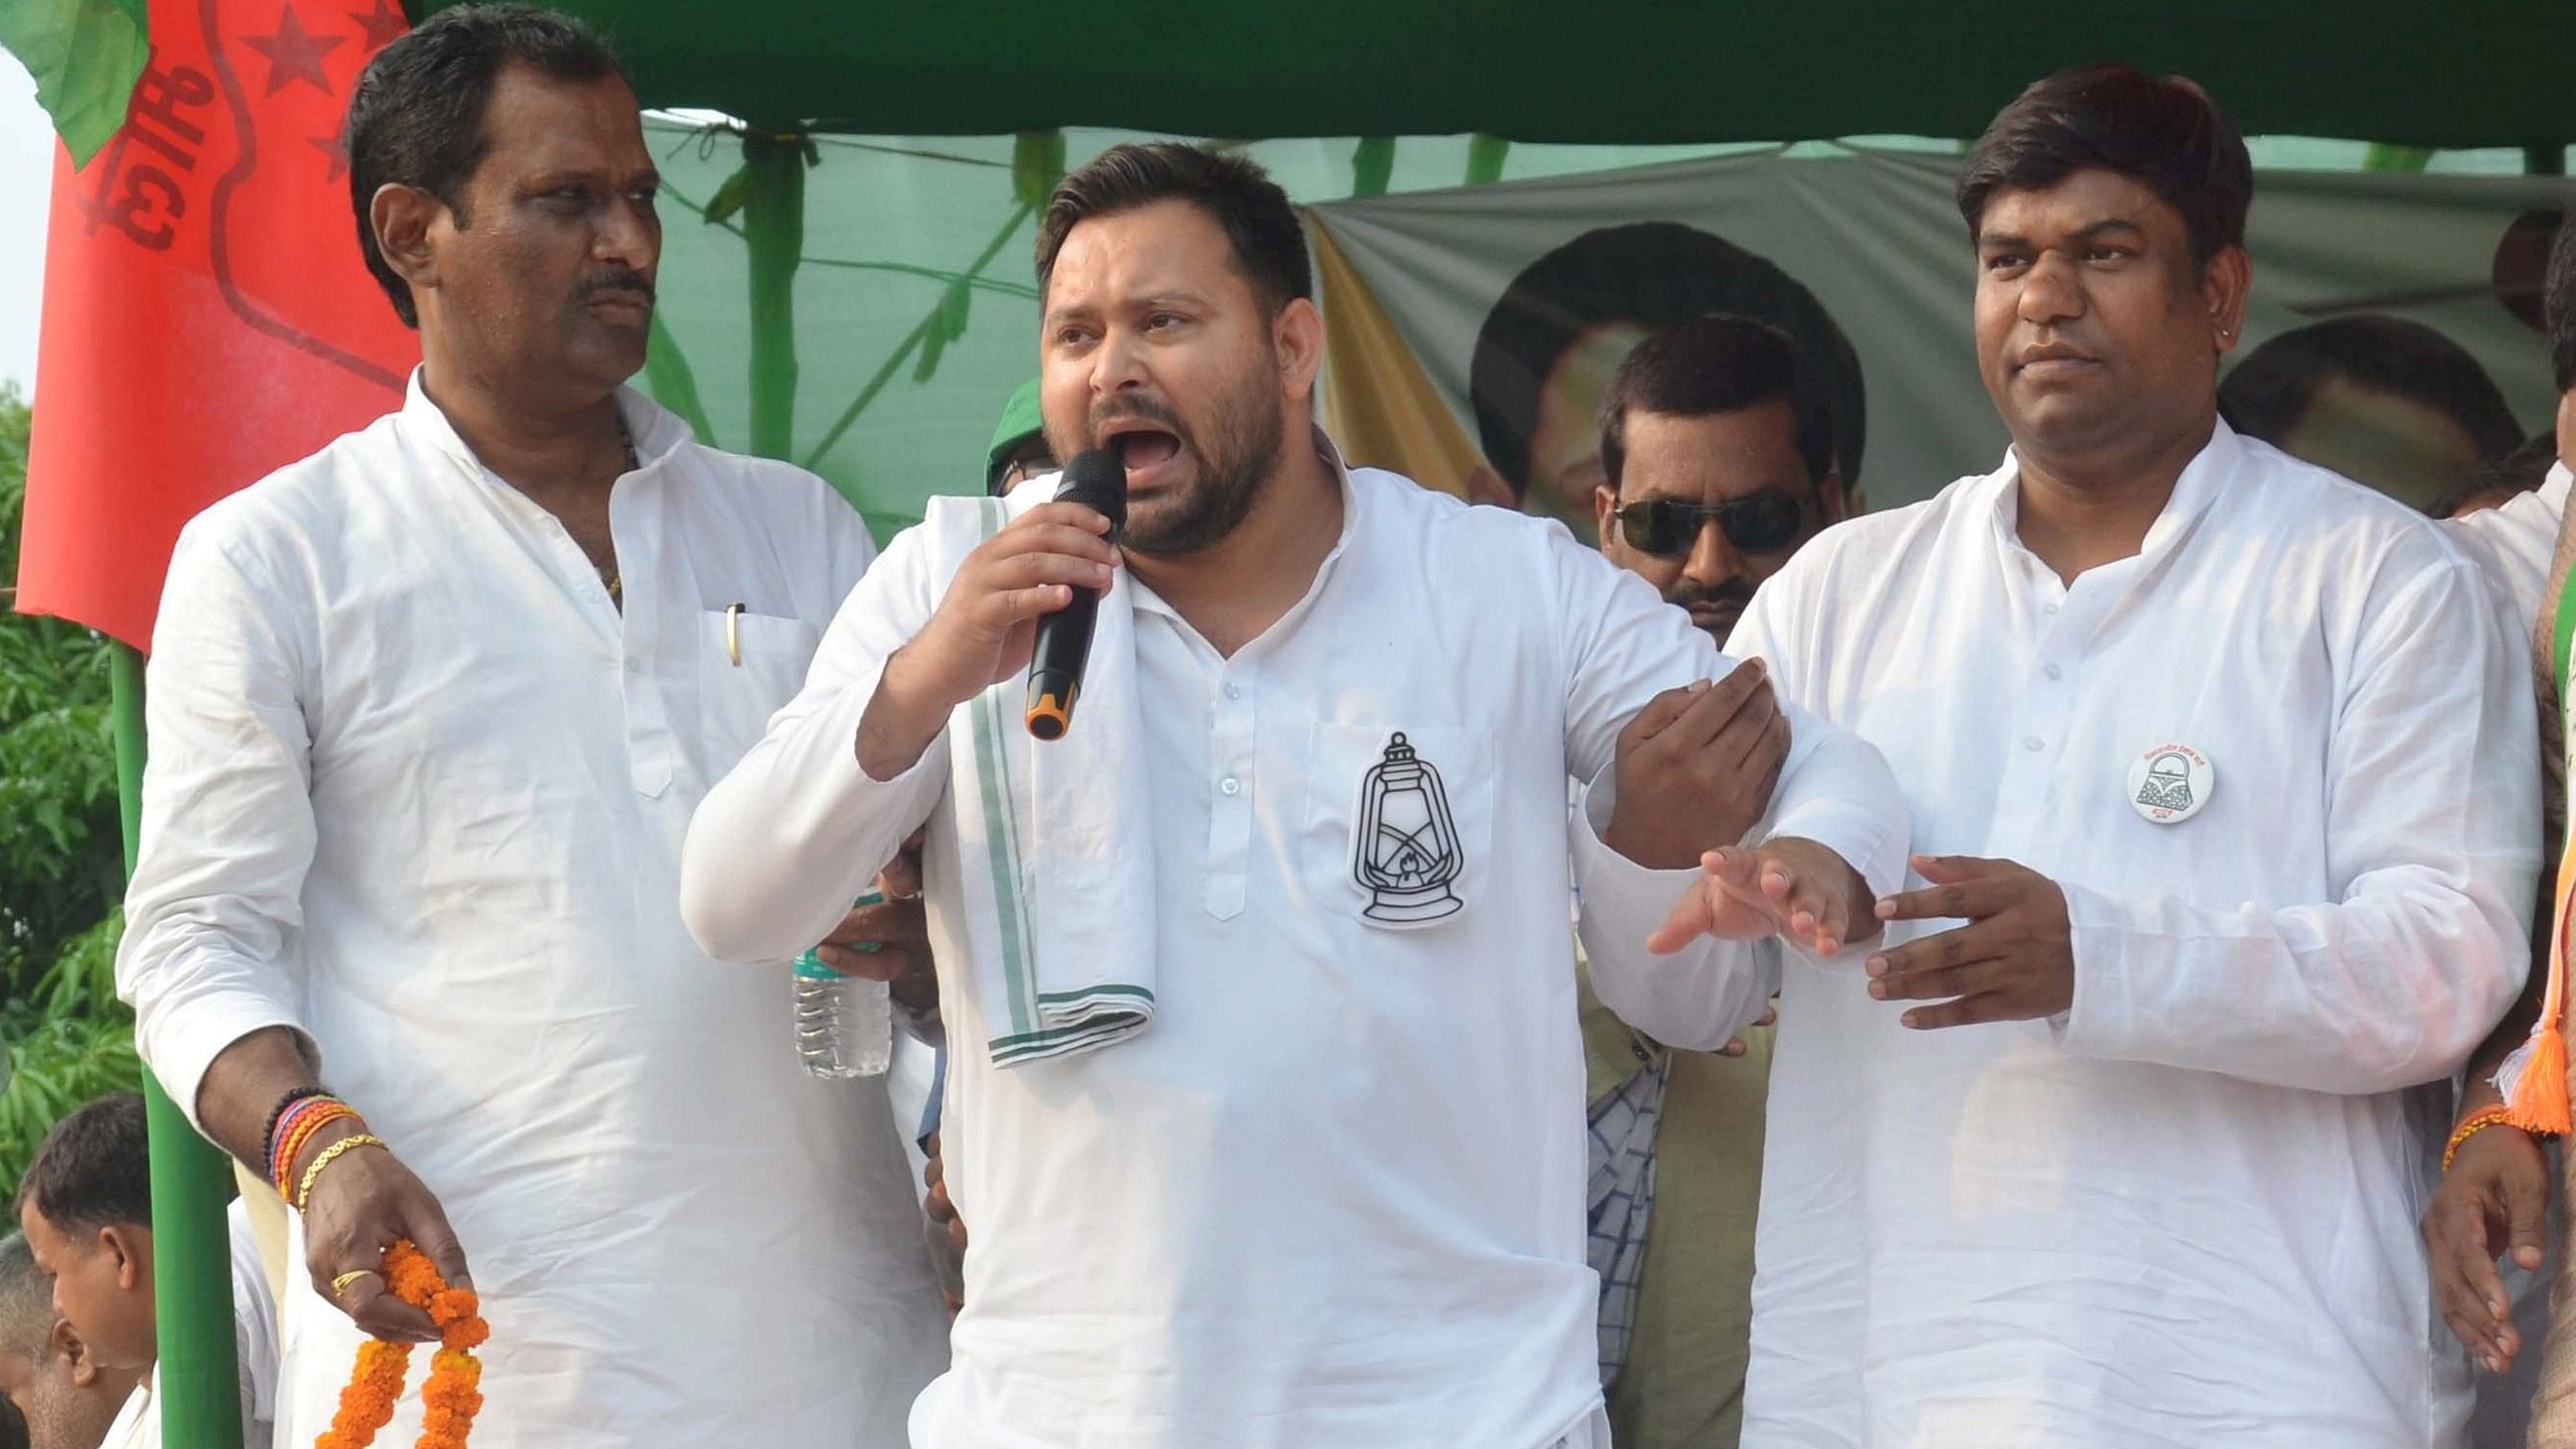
844,1024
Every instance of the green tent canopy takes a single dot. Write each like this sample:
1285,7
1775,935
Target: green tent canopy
1634,71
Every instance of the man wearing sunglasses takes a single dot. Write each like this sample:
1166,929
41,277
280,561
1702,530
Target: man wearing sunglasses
1719,454
1718,446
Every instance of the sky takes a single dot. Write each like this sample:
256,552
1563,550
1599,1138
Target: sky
26,181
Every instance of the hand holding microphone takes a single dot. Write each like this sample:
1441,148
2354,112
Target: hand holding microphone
1098,481
986,627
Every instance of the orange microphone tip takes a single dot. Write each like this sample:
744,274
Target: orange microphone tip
1048,716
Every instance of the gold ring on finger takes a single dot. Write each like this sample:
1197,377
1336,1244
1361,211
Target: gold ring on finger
340,1285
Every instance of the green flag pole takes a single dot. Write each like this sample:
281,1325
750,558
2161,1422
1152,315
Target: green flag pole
192,1276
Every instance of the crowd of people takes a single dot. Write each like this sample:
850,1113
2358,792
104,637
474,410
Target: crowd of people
2052,965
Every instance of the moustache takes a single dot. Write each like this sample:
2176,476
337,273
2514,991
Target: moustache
1140,410
1695,596
623,281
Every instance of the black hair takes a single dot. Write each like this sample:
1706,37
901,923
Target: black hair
94,1169
2521,471
1718,364
1269,243
2270,391
416,118
2558,305
2164,133
26,1301
1653,275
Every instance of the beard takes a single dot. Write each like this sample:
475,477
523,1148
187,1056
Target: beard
1229,471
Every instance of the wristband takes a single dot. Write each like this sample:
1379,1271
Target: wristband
268,1134
2475,1123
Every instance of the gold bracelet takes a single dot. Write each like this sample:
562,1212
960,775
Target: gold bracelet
304,1190
2475,1123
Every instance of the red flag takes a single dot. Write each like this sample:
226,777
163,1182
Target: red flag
208,318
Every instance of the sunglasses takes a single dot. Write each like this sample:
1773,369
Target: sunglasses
1764,522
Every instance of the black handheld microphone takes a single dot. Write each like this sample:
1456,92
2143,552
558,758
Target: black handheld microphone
1097,480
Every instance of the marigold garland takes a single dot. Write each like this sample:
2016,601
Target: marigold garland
452,1395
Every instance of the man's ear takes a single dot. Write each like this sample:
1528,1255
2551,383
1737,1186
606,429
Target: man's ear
130,1248
401,217
2224,283
1605,510
66,1344
1298,336
1835,501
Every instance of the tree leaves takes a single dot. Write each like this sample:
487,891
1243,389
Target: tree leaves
67,1038
56,1063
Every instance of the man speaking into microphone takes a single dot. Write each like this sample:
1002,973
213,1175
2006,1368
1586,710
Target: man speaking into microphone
1265,1097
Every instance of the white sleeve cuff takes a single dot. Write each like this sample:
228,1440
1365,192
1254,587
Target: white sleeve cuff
2100,1021
1615,888
179,1043
1857,833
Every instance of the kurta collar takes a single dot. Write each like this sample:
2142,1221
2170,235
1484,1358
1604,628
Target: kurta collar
658,432
2202,480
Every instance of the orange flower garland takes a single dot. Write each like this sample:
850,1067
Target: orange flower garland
451,1397
367,1404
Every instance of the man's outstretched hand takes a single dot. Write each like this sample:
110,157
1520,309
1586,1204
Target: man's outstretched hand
1794,888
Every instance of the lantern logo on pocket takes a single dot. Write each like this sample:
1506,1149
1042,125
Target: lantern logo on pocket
1405,845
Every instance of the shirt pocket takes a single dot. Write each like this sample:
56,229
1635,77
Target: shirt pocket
750,666
1399,824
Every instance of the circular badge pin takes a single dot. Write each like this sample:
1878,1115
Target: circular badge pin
2169,784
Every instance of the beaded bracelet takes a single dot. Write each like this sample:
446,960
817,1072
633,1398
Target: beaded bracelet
299,1134
268,1134
295,1129
295,1114
288,1117
2474,1124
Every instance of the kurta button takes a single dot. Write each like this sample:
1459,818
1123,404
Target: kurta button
2034,743
1234,691
2055,672
1230,786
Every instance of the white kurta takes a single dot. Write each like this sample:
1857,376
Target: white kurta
2516,541
255,1335
137,1424
418,790
2186,1215
1333,1196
